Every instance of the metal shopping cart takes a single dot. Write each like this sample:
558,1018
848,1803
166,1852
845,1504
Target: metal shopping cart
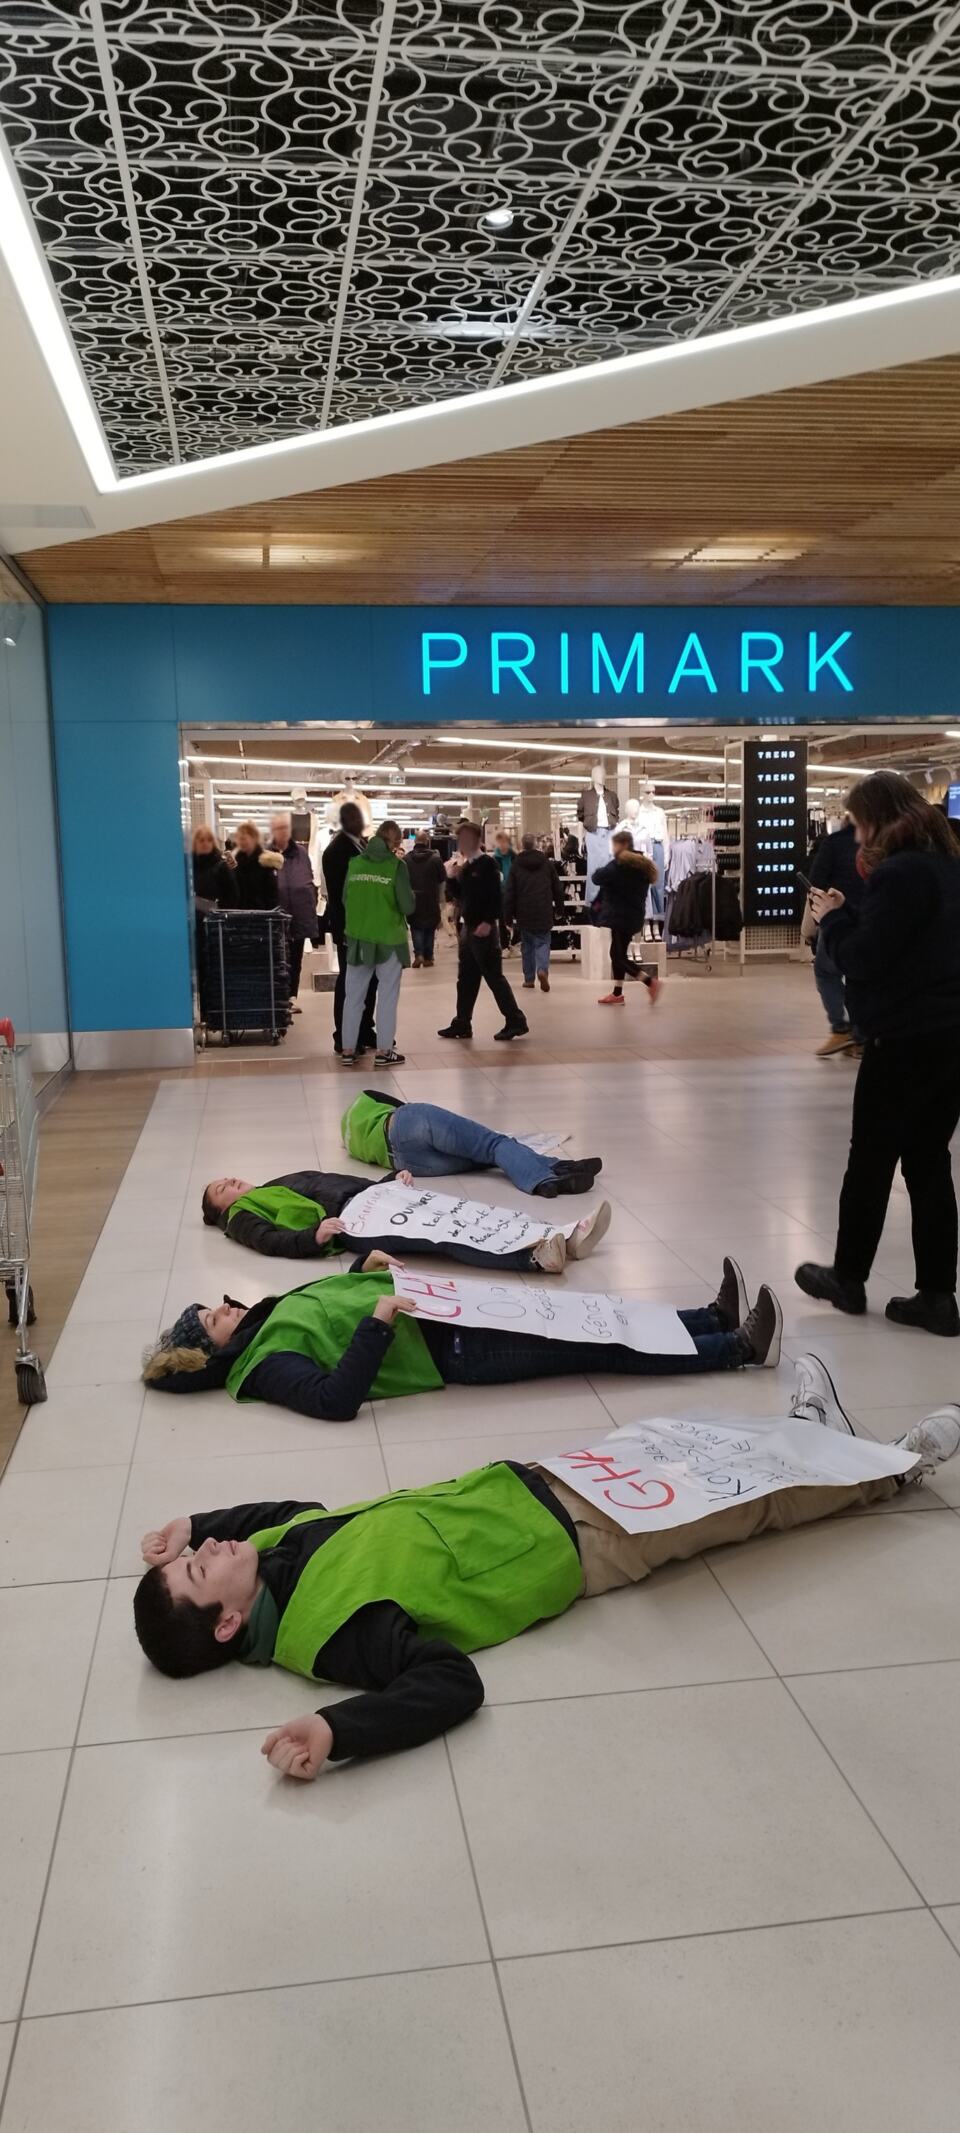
245,975
19,1148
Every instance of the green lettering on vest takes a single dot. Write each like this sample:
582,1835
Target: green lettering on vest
369,900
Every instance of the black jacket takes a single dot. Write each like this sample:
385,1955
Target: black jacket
624,884
532,897
477,891
332,1188
834,865
214,881
334,863
425,869
900,952
258,887
416,1686
588,803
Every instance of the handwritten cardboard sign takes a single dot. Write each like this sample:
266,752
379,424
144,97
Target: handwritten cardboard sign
399,1211
670,1472
555,1314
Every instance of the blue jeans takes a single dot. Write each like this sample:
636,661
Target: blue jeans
433,1144
423,938
475,1356
534,953
830,986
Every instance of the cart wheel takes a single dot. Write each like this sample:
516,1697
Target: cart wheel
31,1383
13,1315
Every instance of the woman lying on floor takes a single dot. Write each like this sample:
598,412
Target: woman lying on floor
325,1349
298,1217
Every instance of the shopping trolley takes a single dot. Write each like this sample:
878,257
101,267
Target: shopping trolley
245,977
19,1148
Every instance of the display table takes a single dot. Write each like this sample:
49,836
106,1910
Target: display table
595,956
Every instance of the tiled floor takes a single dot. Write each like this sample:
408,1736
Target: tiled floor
696,1865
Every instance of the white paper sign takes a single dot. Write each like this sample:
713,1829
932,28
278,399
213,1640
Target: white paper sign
400,1211
554,1314
672,1472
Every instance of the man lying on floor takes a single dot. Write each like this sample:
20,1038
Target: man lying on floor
390,1597
326,1348
298,1217
431,1143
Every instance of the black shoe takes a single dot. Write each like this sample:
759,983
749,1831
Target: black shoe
510,1030
454,1029
569,1177
931,1310
730,1303
829,1287
762,1332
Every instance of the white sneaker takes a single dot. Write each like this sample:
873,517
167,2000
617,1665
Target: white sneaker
816,1399
550,1255
936,1438
588,1232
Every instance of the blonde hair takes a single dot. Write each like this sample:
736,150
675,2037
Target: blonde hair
163,1362
248,829
203,829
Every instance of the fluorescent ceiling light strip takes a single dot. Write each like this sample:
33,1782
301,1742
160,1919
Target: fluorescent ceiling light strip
375,770
599,747
30,275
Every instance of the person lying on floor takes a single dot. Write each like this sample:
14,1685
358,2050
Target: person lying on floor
390,1597
298,1217
326,1348
431,1143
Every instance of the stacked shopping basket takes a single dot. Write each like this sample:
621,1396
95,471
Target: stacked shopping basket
245,975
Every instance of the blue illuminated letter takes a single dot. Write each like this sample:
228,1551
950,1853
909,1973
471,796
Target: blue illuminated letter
634,652
763,662
428,661
817,660
700,672
564,662
500,664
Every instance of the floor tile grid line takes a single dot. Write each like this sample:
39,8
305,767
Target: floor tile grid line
73,1746
501,1996
841,1773
246,1992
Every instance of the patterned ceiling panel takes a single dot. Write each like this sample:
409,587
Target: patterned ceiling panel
783,154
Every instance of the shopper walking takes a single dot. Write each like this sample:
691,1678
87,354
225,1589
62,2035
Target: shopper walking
378,900
532,900
623,884
298,895
258,872
475,881
341,849
899,955
425,868
834,866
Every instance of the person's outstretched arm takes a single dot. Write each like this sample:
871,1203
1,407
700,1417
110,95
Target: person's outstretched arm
417,1688
236,1522
291,1380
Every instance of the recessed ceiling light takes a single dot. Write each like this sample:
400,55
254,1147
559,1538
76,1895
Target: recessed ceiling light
498,218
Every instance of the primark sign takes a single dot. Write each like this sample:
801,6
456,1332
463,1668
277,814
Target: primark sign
664,664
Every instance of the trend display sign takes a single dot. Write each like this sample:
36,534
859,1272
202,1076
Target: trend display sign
774,831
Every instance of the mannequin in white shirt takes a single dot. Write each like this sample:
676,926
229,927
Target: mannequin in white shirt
649,831
598,809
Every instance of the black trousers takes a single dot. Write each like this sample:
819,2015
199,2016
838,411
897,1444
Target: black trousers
905,1110
295,951
481,963
368,1027
620,939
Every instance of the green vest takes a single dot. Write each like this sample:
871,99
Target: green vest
320,1321
475,1561
369,899
363,1131
277,1204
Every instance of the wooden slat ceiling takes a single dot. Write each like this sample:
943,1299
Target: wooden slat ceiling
847,491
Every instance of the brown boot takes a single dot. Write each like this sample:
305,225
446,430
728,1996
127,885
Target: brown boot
544,981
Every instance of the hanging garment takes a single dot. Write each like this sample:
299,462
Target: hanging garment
598,853
655,902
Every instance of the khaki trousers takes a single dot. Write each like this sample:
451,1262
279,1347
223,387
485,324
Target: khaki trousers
612,1557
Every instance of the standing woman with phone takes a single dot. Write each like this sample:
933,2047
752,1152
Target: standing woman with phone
899,955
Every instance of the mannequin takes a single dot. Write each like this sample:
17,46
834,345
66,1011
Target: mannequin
650,835
350,795
598,809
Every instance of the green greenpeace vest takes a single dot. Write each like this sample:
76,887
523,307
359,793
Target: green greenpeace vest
277,1204
363,1131
320,1321
475,1561
369,901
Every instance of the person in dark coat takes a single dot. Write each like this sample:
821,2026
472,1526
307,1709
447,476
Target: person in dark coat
532,900
425,868
834,866
257,872
341,849
474,879
899,955
298,895
623,885
214,881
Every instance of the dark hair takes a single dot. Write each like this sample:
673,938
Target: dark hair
465,823
894,817
177,1635
622,837
211,1214
350,809
387,826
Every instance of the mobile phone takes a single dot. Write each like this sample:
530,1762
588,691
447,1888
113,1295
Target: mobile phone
802,877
